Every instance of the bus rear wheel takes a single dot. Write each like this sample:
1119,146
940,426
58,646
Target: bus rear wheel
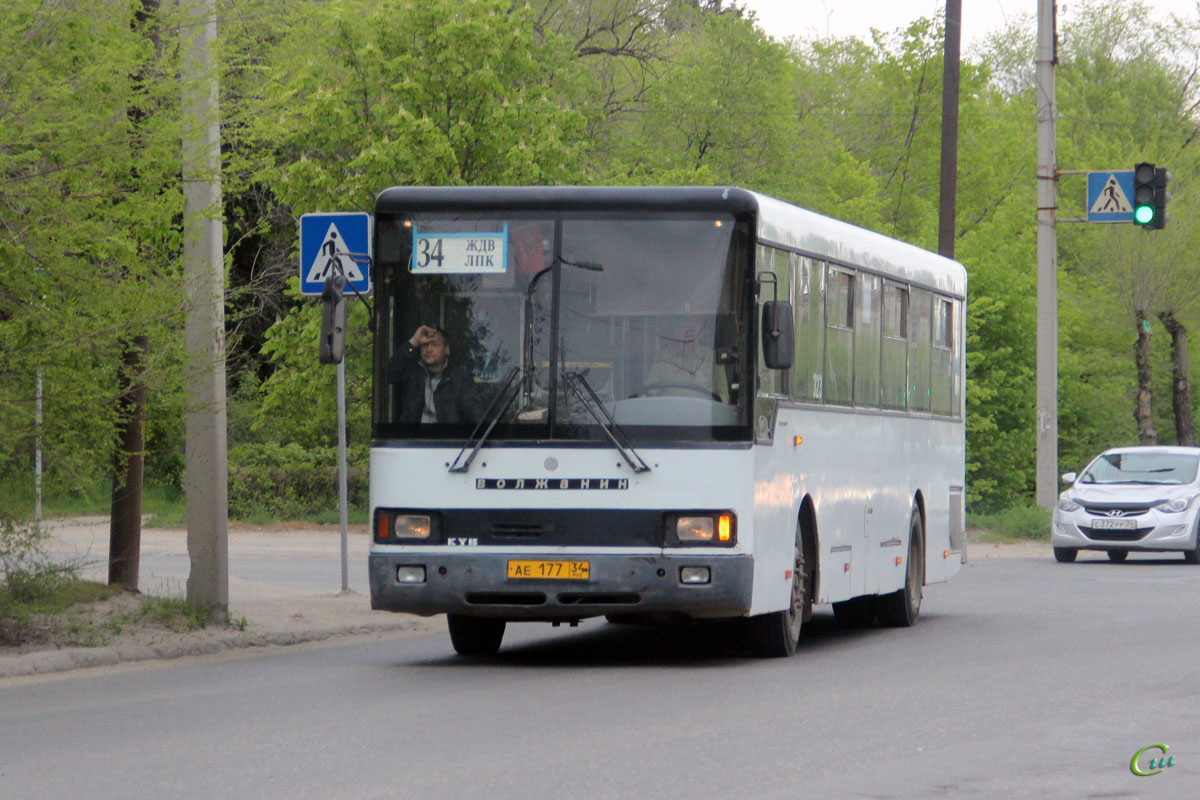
475,636
901,609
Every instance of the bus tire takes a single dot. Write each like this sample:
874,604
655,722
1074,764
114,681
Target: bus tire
900,609
775,635
475,636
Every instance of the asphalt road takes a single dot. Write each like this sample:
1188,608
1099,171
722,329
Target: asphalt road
1023,678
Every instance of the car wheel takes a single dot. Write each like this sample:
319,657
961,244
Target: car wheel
901,609
1193,556
1117,556
1065,555
475,636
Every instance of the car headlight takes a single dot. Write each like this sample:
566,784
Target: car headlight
1175,505
1066,503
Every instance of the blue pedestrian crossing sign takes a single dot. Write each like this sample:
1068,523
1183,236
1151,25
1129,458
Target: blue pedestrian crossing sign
1110,196
331,243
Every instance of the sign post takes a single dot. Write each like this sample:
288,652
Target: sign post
337,245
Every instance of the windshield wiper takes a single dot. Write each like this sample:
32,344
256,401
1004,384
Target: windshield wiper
595,406
473,443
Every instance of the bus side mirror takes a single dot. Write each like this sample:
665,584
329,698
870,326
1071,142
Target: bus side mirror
333,320
778,336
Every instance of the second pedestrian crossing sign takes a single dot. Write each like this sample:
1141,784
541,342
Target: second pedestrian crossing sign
1110,196
332,243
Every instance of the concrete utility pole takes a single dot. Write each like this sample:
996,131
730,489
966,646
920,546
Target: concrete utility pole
949,184
1047,259
206,481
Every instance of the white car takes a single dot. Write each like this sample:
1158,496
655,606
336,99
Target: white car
1131,498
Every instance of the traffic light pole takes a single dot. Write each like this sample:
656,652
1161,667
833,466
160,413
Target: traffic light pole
1047,262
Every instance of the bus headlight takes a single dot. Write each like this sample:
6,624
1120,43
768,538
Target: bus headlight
694,529
702,528
411,526
402,525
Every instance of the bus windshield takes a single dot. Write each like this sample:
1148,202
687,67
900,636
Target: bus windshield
554,323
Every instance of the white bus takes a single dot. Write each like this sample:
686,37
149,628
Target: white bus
692,403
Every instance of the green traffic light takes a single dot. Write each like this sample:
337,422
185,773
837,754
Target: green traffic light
1143,215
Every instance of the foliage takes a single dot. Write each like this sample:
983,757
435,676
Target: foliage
1016,522
326,102
30,583
88,202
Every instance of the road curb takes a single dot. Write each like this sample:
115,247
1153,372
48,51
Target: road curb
45,662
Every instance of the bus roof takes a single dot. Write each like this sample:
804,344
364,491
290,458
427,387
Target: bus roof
778,223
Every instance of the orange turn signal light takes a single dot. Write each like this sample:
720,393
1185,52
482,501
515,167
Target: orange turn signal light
724,528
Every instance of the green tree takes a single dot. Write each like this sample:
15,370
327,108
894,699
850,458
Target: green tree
365,95
88,236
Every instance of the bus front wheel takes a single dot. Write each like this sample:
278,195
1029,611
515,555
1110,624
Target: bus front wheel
475,636
775,635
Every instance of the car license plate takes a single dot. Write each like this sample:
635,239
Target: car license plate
550,570
1114,524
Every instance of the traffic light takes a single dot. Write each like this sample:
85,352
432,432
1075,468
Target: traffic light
1161,178
1145,180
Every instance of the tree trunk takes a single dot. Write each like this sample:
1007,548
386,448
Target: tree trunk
125,524
1181,386
1143,409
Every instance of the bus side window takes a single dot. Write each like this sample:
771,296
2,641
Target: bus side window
941,376
773,382
919,349
894,353
808,365
839,336
866,342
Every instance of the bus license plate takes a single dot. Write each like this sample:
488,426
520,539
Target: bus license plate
1114,524
550,570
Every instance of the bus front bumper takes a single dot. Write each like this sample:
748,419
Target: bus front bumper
477,584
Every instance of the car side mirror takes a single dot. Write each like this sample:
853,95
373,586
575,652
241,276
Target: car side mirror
333,320
1069,477
778,336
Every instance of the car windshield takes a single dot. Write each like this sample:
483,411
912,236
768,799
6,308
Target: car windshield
1144,468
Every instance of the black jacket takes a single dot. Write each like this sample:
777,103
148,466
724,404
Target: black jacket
456,397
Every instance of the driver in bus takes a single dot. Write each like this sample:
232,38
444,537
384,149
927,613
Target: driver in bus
431,388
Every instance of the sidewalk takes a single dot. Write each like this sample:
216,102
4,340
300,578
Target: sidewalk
274,614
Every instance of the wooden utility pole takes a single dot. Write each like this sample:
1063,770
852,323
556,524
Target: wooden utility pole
125,523
206,481
949,184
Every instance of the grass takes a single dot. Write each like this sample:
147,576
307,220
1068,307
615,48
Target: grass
56,610
1017,523
173,613
163,507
